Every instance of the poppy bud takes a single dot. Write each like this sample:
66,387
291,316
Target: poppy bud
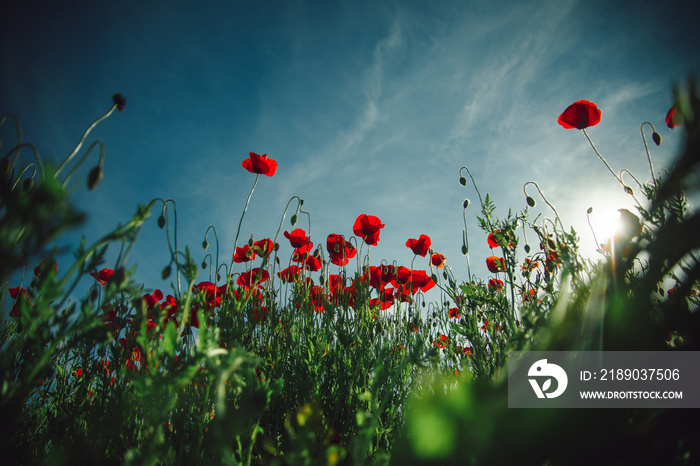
161,221
250,241
276,247
94,177
465,250
166,272
527,248
28,184
629,190
277,259
589,211
218,277
204,265
657,138
322,280
444,275
294,220
466,203
205,244
462,181
434,278
530,201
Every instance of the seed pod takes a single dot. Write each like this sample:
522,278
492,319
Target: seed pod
530,201
465,251
434,278
94,177
657,138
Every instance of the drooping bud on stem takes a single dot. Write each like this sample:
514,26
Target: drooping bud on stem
656,137
94,177
161,221
530,201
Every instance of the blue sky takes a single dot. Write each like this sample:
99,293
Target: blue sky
368,107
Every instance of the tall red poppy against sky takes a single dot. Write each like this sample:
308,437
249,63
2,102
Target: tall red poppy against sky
297,238
579,115
495,264
367,227
419,246
339,250
260,164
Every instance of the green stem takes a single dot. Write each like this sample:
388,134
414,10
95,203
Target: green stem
240,222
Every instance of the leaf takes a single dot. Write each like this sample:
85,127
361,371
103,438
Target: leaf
546,385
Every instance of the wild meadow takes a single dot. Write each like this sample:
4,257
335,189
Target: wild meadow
323,356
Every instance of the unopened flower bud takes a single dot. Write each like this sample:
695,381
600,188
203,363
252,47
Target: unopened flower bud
94,177
657,138
218,277
527,248
166,272
27,184
434,278
444,275
161,221
462,181
589,211
465,250
466,203
276,247
204,265
322,280
250,241
293,220
530,201
205,244
629,190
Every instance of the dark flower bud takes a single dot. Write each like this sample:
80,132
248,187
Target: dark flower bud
462,181
166,272
161,221
301,202
204,265
94,177
205,244
444,275
527,248
322,280
276,247
434,278
27,184
277,259
250,241
120,101
218,277
629,190
466,203
294,220
657,138
530,201
589,211
465,250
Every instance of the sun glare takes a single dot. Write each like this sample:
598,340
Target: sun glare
606,224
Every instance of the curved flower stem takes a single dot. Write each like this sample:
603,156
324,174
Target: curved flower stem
588,219
211,227
85,156
646,148
546,201
16,150
17,124
240,222
481,200
173,252
630,174
21,174
601,157
82,140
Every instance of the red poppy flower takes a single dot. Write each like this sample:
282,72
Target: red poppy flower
120,101
673,118
250,279
45,266
419,246
438,260
495,284
367,227
297,238
580,115
300,254
312,263
243,254
339,250
264,246
18,293
495,264
289,274
260,164
152,299
493,239
453,312
103,275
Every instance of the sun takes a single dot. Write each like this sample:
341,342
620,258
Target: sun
606,224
